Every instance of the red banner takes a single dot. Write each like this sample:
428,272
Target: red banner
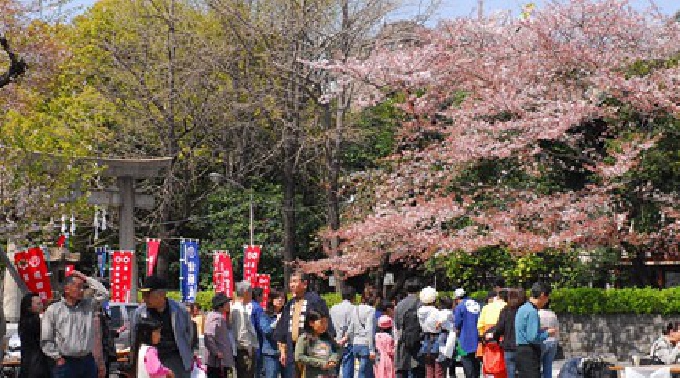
152,246
69,270
223,273
264,282
33,270
251,258
121,275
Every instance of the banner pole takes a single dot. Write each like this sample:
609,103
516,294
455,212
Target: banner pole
252,224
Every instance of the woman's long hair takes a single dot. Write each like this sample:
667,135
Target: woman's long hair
144,329
26,315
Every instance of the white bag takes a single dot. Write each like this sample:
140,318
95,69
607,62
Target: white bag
449,349
198,370
648,372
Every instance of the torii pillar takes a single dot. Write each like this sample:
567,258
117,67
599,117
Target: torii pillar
126,171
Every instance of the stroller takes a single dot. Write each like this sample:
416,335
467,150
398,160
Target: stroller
586,368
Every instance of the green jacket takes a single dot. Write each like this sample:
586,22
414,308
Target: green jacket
314,353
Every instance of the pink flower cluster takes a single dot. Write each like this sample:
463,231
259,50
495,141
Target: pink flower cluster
504,86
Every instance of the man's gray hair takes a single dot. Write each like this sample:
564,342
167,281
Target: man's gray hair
243,287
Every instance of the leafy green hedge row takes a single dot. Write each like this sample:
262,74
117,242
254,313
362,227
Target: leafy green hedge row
579,301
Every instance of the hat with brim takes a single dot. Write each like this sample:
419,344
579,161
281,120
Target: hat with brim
153,283
384,322
219,300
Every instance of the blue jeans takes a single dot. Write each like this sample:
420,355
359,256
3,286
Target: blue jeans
548,352
271,366
510,363
83,367
288,371
362,353
347,362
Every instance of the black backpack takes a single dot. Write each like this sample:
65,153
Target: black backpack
411,333
596,368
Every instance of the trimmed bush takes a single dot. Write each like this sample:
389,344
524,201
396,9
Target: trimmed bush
577,301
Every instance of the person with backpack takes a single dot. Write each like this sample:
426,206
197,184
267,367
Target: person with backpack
408,333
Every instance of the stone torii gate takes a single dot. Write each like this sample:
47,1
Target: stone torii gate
126,171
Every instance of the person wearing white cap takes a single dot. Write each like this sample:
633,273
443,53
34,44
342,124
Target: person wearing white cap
466,315
428,317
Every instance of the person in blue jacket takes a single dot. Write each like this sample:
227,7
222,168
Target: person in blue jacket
465,316
528,332
270,353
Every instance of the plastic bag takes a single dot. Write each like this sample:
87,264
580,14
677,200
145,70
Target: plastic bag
494,360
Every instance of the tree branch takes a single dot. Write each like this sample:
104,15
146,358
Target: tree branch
17,66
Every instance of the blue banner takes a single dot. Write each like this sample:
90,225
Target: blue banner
190,265
102,254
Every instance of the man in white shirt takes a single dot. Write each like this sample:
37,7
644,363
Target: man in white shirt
243,330
341,317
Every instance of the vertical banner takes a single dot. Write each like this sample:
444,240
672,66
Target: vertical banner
33,270
190,266
152,246
121,275
223,273
251,258
102,254
264,282
69,270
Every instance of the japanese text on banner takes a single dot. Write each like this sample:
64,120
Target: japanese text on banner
251,259
190,268
33,271
223,273
121,275
264,282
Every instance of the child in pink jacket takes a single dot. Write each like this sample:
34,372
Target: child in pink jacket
146,363
384,345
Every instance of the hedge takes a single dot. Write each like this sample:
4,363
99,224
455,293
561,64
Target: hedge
578,301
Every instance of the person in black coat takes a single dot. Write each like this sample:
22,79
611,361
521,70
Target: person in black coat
287,330
34,363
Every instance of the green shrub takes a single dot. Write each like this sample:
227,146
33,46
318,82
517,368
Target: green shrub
577,301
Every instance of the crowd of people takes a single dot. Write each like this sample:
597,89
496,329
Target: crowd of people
420,334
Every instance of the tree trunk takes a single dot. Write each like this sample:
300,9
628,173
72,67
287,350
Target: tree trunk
163,262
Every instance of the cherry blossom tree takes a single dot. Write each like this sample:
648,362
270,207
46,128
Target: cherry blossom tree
30,51
577,91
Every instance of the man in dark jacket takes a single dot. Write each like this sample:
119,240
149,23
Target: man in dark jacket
291,324
175,350
408,333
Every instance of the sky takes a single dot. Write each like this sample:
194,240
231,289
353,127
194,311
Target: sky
458,8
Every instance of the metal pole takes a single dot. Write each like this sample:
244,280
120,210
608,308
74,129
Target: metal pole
252,224
480,9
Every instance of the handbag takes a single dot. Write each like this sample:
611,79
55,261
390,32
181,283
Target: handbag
493,360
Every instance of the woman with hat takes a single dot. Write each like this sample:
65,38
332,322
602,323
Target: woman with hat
218,339
384,344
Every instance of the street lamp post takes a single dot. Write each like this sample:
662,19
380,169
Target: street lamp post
217,178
